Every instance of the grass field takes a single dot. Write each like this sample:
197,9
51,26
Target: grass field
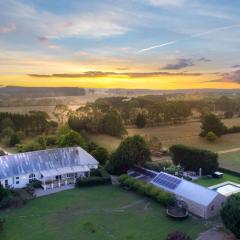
207,182
95,213
185,134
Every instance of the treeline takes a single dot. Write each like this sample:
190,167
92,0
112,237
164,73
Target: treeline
34,92
32,123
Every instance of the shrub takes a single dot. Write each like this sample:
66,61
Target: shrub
211,136
104,178
178,235
147,189
192,159
101,155
51,140
230,214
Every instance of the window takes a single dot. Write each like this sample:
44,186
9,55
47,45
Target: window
32,177
212,207
17,182
17,177
6,183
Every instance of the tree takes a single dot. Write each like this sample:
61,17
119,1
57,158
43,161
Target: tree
3,192
72,139
211,137
140,121
42,140
230,214
7,123
112,124
101,154
178,235
14,139
60,112
211,123
192,159
131,151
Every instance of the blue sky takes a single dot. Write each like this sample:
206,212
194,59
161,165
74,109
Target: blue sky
69,36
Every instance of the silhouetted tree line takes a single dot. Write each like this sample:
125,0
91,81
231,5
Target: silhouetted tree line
36,122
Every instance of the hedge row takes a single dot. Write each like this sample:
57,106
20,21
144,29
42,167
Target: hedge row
146,189
228,171
102,179
233,129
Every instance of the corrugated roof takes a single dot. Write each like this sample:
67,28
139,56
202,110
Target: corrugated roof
30,162
191,191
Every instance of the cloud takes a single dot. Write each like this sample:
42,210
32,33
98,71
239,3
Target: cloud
122,68
93,74
203,59
166,3
236,66
8,28
48,25
43,39
229,77
181,63
54,46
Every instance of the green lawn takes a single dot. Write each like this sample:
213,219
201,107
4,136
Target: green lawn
213,181
230,160
109,211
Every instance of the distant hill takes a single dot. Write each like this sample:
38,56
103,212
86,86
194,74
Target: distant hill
35,92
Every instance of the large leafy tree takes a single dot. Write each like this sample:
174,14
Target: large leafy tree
72,139
211,123
101,154
230,214
131,151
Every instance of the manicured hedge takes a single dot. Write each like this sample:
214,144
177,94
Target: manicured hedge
146,189
192,159
103,179
228,171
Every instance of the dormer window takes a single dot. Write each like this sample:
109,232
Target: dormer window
32,177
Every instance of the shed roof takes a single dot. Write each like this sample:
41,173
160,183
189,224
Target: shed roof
191,191
45,160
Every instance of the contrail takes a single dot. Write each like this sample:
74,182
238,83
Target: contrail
186,38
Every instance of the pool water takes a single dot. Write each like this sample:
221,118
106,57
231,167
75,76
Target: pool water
227,189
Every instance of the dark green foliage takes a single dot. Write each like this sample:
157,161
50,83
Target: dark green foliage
30,147
230,214
27,123
140,121
211,137
157,166
35,184
192,159
72,139
233,129
112,124
51,140
178,235
131,151
42,141
93,180
3,192
147,189
101,155
2,221
211,123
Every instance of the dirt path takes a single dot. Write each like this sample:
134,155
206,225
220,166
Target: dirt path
229,150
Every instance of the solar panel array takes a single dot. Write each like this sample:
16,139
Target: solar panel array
145,172
167,181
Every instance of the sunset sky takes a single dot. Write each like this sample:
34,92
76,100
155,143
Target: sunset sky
151,44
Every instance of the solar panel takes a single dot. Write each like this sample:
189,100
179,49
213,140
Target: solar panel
167,181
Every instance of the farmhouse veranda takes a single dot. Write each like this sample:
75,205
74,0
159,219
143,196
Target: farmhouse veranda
53,167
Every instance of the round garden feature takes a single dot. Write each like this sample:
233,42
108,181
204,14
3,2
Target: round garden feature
178,210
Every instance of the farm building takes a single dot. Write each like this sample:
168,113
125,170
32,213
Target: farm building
54,167
201,201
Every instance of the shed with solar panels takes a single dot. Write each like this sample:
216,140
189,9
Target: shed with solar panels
201,201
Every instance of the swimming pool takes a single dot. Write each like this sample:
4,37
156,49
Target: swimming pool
226,188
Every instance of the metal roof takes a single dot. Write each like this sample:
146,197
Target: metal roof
191,191
45,160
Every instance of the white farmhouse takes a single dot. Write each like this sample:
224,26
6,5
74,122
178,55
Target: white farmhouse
54,167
